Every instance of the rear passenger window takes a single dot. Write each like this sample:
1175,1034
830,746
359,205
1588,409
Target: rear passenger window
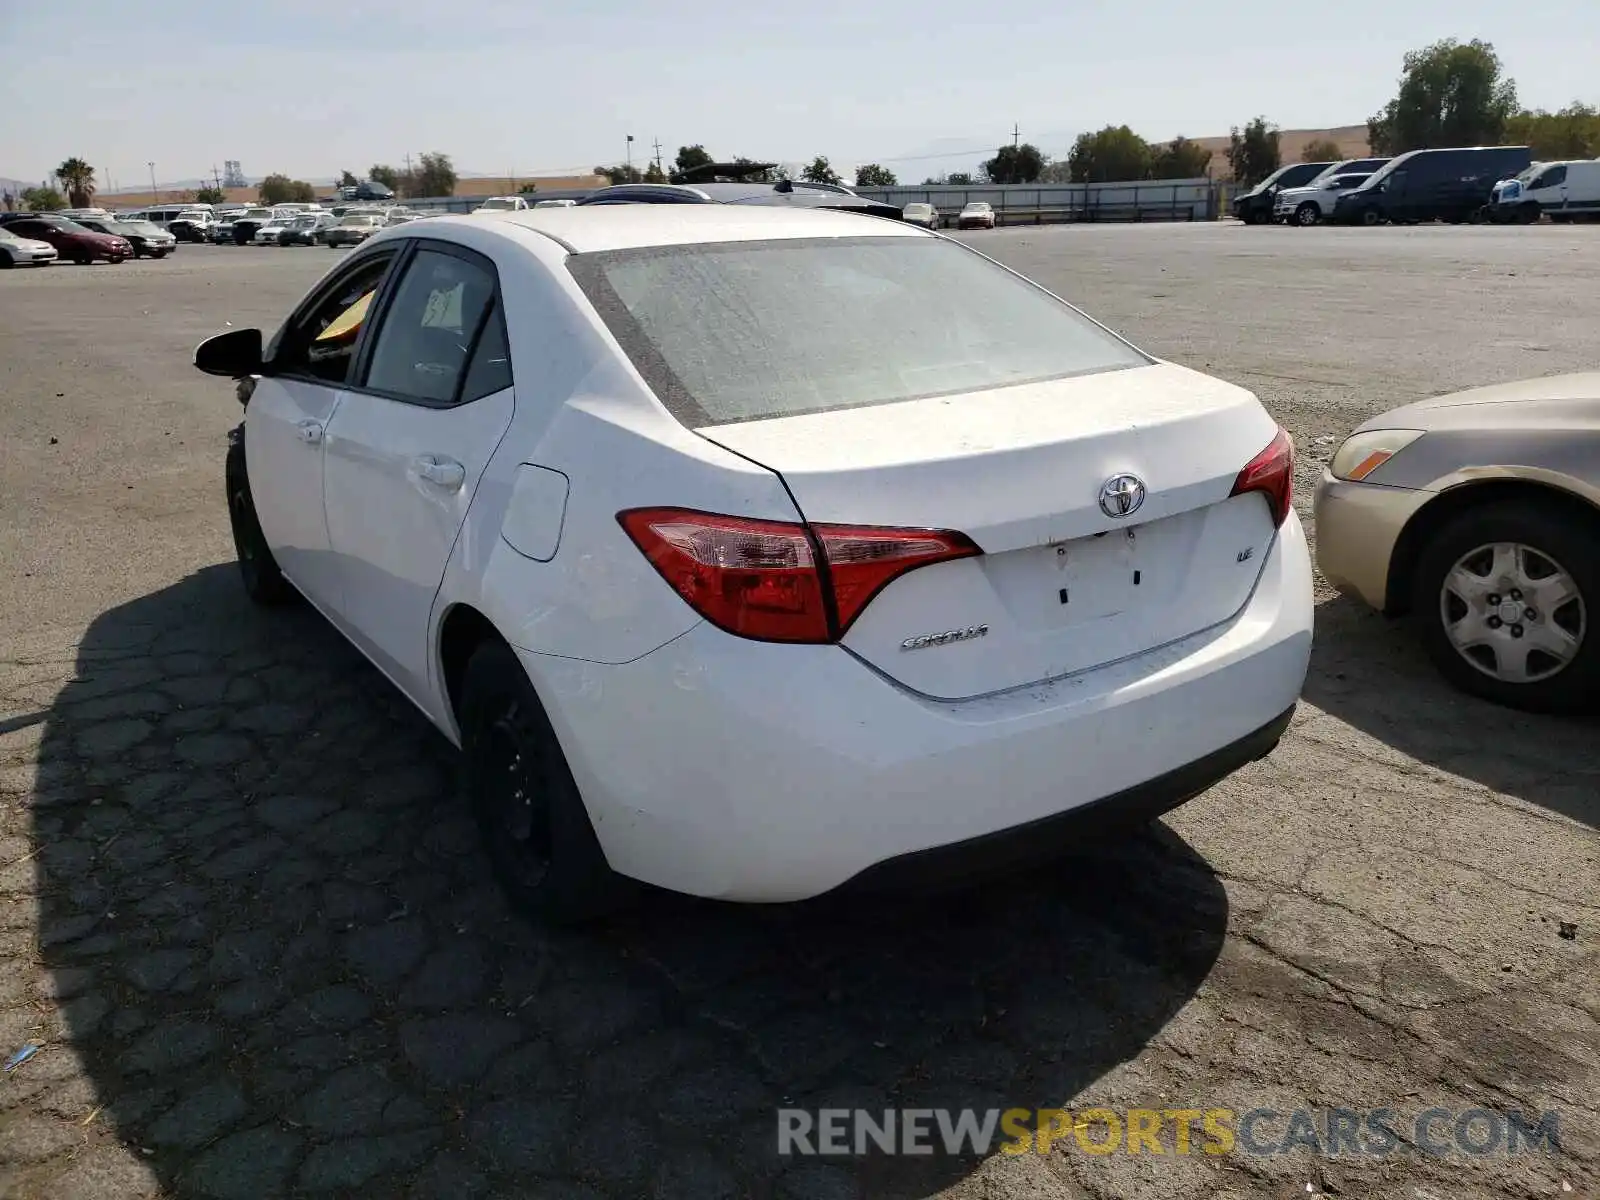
490,371
423,348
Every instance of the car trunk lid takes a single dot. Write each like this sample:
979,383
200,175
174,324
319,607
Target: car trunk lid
1063,585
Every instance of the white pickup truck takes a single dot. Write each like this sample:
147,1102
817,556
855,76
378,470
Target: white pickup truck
1312,203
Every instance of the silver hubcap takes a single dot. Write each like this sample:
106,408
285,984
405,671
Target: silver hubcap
1513,612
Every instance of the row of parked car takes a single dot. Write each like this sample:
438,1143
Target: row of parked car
1499,184
79,236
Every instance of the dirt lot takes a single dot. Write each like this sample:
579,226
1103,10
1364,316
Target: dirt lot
245,916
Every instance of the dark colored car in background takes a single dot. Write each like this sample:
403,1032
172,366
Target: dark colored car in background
147,240
1255,206
71,240
244,226
367,189
1452,184
191,229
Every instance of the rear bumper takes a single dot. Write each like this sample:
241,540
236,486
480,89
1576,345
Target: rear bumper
760,772
1038,841
1358,525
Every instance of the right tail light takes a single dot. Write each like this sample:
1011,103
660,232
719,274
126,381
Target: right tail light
1272,474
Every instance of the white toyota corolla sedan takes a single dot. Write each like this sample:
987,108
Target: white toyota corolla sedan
727,578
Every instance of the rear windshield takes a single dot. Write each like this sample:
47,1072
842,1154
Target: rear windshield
742,331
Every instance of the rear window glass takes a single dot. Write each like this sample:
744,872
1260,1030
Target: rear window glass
742,331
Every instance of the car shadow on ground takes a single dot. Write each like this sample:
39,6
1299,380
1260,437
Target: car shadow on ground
284,969
1370,672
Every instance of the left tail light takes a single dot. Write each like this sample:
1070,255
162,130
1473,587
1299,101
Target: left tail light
1272,474
780,581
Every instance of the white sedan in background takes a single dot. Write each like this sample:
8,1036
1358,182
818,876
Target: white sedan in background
726,578
977,215
276,231
503,204
918,213
18,251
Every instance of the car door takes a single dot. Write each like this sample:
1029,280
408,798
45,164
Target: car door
1553,184
287,418
408,444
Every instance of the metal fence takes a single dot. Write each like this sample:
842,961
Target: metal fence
1014,204
1053,203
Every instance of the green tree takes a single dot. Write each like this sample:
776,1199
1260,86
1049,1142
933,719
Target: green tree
527,189
276,189
77,179
820,171
435,175
1573,132
769,175
1179,159
1321,150
41,199
1113,154
653,173
1015,164
960,179
690,157
620,173
1254,153
384,174
348,179
1451,94
209,195
873,175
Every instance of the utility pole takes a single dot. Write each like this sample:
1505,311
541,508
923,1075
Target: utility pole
629,159
658,154
153,197
216,177
1016,134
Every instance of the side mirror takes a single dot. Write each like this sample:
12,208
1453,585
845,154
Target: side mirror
232,355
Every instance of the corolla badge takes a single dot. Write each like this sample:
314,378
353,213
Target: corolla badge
1121,495
945,638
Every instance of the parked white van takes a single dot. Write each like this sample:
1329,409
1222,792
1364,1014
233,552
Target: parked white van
1565,191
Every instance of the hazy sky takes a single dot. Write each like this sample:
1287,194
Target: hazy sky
309,87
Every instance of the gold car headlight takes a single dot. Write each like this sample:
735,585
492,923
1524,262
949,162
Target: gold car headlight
1364,453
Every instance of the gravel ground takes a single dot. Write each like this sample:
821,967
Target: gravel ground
244,914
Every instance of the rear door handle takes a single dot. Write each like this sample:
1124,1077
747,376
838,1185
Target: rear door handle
310,432
439,471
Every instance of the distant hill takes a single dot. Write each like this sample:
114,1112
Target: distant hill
1352,141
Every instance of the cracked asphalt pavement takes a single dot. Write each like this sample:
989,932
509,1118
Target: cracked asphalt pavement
243,912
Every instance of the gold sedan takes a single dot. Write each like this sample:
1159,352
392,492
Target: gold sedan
1478,515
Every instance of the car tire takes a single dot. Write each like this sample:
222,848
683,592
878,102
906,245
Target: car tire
1372,217
1307,214
535,828
263,581
1557,540
7,262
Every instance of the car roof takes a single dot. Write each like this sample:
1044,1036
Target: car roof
587,229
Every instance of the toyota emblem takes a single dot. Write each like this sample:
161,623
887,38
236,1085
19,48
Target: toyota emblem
1121,495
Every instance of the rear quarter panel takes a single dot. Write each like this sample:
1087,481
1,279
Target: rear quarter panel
582,411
